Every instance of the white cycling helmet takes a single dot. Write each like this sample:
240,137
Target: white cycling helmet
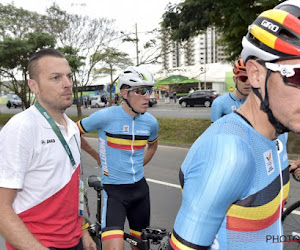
136,76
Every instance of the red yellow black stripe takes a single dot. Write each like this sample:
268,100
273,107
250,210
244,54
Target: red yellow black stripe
126,142
112,234
81,129
135,233
272,37
178,243
249,218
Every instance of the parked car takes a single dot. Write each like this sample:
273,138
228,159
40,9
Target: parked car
14,102
152,101
199,97
96,101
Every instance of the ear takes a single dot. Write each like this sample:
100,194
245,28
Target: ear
33,86
124,93
234,79
256,73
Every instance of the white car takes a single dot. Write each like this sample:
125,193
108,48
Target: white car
96,101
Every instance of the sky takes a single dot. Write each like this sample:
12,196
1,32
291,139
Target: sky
147,14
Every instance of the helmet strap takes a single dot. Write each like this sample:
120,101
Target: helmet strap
132,109
264,105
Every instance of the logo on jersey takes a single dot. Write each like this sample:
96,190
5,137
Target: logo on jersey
269,162
44,142
126,128
233,108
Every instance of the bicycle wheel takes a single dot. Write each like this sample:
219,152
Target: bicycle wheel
291,226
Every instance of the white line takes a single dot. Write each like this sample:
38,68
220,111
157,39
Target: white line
164,183
296,212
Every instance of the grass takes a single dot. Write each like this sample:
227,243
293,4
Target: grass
184,131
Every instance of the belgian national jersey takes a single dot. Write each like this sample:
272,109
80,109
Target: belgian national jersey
235,185
122,140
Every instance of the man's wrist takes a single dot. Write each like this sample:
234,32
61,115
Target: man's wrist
85,226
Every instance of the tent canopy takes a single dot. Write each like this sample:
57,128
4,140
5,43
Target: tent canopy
176,79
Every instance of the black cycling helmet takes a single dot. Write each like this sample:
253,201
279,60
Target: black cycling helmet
275,34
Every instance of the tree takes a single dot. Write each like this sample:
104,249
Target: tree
14,56
76,62
231,18
151,51
112,59
88,36
17,22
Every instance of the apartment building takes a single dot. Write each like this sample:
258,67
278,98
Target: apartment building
202,49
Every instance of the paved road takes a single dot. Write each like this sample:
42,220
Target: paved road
162,176
170,110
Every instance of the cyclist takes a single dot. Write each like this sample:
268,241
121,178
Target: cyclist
230,102
235,176
39,180
127,142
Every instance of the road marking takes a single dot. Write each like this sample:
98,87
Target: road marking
164,183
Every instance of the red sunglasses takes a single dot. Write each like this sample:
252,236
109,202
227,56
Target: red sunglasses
289,73
242,78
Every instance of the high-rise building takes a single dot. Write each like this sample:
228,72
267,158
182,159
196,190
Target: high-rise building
202,49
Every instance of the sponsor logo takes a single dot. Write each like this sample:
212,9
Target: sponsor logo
126,128
269,25
142,132
44,142
269,162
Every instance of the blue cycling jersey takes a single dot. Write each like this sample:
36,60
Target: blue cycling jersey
235,184
122,140
224,105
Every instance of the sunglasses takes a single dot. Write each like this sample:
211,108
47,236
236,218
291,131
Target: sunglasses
142,91
290,73
242,78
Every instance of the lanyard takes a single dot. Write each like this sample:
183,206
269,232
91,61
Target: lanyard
56,130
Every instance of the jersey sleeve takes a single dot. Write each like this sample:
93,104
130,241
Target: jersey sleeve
92,122
216,109
154,131
16,152
216,174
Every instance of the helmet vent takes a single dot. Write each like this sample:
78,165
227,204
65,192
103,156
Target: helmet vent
286,33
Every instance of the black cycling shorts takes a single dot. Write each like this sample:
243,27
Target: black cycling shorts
123,201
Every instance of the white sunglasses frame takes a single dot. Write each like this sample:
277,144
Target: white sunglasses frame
286,70
147,92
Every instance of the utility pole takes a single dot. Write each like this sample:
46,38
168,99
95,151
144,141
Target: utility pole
137,45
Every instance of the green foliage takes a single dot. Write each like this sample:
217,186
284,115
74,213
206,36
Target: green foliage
17,22
181,130
230,17
74,59
14,56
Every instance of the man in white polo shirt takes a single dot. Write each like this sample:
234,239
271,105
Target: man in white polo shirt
40,172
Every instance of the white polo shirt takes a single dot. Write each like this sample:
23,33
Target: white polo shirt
33,160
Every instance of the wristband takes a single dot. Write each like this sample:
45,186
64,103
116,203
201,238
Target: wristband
85,226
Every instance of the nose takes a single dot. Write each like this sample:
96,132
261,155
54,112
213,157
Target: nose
67,82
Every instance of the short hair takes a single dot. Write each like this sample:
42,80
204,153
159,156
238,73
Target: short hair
33,61
125,86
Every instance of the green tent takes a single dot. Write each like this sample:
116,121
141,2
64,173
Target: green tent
176,79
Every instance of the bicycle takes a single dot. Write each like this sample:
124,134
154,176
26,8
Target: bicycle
291,223
150,236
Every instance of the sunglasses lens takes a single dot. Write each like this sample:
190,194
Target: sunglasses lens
143,91
243,78
295,79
